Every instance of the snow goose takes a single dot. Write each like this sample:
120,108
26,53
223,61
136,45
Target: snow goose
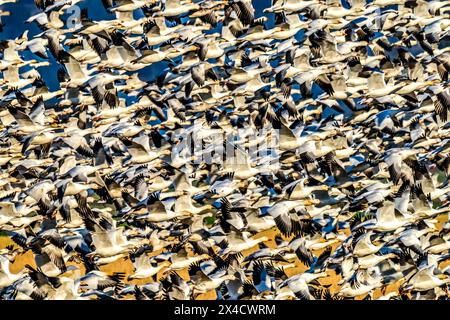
181,260
6,277
426,279
377,86
364,245
174,8
110,246
362,282
290,5
144,267
237,242
98,280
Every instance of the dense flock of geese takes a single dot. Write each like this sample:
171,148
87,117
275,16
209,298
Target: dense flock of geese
302,153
